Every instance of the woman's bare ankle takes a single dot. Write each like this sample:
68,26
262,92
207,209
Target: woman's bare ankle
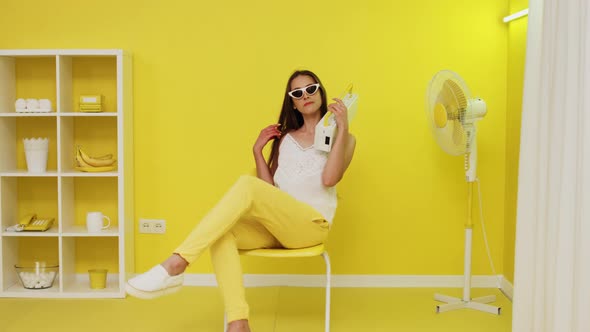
175,264
240,325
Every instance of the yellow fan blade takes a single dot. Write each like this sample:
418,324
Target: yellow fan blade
440,115
460,102
458,94
453,98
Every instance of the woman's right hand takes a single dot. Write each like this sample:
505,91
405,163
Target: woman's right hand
266,135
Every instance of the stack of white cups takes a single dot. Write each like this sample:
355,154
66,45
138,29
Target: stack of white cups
32,105
20,105
36,150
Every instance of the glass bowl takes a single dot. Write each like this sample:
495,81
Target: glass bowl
37,276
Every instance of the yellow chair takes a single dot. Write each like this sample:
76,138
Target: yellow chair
318,250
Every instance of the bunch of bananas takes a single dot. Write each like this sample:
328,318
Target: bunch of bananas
85,162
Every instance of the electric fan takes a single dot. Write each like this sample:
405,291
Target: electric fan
452,116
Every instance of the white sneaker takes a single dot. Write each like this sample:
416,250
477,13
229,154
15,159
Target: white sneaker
154,283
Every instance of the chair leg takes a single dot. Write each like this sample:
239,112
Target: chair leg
224,322
328,288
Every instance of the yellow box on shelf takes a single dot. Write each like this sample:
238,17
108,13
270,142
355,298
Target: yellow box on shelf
91,100
90,109
91,103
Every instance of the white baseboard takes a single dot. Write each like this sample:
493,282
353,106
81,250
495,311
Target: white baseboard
402,281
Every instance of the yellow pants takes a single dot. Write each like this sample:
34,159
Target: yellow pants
252,214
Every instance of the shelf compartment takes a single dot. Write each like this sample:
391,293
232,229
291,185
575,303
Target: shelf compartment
81,195
80,254
96,135
36,78
27,77
24,195
26,251
12,132
88,75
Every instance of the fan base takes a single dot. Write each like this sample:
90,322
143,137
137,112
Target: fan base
479,303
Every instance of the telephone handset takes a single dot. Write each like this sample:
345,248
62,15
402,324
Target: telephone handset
30,223
326,129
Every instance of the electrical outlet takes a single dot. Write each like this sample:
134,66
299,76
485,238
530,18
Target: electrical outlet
152,226
145,226
159,226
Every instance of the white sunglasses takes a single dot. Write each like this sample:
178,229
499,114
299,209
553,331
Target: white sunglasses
310,90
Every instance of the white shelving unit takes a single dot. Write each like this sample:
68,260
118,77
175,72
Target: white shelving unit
63,192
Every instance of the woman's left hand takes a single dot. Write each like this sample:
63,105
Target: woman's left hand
340,113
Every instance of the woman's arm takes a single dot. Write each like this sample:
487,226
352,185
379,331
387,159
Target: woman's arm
342,149
262,170
339,158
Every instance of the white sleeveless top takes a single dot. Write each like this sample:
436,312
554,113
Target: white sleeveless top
300,174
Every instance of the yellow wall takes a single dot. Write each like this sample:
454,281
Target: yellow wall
516,58
209,75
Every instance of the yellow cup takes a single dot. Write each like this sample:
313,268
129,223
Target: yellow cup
98,278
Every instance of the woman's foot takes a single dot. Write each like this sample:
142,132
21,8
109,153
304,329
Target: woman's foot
238,326
162,279
175,265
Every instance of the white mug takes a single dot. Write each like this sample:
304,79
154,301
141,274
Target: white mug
94,222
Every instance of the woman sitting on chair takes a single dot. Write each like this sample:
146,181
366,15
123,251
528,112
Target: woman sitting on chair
290,204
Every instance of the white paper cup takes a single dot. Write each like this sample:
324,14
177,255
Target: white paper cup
36,151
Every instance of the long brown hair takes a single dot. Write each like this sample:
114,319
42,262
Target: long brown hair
290,118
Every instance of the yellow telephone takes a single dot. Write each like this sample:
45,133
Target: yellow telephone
31,223
326,129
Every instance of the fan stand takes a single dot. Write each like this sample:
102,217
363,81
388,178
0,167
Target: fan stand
479,303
